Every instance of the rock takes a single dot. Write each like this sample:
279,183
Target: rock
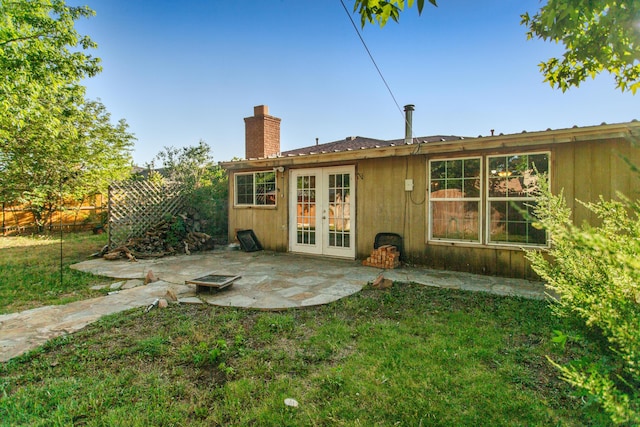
162,303
133,283
150,277
381,282
377,280
98,287
171,296
116,286
291,402
190,300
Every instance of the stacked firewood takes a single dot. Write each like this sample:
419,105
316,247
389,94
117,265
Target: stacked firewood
170,236
386,256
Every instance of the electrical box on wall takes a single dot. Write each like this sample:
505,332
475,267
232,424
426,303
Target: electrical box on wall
408,185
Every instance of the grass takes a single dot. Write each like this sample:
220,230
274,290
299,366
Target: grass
30,270
407,356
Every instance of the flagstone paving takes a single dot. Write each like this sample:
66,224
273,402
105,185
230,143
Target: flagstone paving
269,281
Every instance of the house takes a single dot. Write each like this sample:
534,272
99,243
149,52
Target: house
456,202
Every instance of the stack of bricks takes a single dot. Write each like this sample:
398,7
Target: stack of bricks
386,256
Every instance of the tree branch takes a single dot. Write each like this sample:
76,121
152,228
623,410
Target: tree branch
19,39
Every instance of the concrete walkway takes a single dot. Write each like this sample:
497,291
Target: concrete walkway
270,281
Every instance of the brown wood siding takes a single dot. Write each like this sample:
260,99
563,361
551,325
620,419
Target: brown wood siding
588,170
583,169
628,183
268,223
383,206
563,169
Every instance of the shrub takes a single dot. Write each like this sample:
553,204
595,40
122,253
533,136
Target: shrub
177,230
595,272
207,203
204,184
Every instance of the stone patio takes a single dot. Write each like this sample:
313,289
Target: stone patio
269,281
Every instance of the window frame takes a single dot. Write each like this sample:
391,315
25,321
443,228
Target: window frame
477,199
254,186
484,199
508,200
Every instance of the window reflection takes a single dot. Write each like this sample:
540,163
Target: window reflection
513,184
256,188
454,193
339,210
306,210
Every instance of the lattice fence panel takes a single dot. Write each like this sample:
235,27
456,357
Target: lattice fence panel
136,206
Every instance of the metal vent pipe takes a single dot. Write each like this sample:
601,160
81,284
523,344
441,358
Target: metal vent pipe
408,123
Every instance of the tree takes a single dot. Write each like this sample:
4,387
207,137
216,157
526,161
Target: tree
598,36
41,55
187,165
40,168
53,142
205,183
381,10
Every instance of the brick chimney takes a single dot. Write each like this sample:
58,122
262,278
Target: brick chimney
262,134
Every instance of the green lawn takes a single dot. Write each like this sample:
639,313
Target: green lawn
30,270
406,356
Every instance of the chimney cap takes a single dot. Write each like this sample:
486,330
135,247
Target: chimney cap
409,107
261,110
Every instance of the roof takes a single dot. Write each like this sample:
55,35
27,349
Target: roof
358,148
352,143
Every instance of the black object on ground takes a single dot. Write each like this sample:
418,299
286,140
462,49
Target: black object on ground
248,241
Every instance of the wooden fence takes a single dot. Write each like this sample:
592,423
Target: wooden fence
133,207
17,219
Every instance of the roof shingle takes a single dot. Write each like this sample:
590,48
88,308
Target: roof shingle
361,143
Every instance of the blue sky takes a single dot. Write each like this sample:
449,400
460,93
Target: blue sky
179,72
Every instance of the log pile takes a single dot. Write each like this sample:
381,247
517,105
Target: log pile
172,235
386,256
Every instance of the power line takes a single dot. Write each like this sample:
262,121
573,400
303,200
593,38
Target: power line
355,27
404,118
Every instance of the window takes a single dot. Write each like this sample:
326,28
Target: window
457,190
512,188
255,189
454,194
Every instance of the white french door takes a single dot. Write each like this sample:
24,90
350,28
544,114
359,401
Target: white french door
322,204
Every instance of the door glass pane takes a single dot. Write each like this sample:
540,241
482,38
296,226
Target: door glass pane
339,210
306,210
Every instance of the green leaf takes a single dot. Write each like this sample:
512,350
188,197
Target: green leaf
559,338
